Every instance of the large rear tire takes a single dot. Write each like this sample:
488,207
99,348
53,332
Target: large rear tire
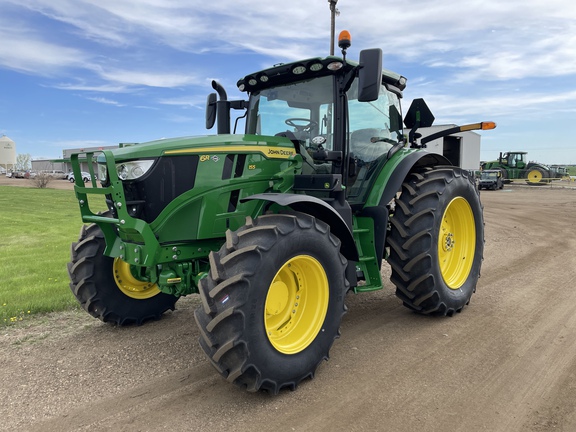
536,176
437,241
273,301
107,288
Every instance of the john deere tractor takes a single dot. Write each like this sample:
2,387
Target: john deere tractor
273,227
513,166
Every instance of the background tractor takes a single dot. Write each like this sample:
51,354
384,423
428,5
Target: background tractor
513,165
273,227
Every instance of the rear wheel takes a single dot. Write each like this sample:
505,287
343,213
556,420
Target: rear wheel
437,241
108,288
536,176
273,301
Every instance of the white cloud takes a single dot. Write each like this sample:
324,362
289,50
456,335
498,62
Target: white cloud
459,109
105,101
27,52
104,88
148,78
486,39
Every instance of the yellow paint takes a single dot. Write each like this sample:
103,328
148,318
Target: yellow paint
456,243
131,286
296,304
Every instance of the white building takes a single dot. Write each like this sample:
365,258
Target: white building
462,149
64,163
7,153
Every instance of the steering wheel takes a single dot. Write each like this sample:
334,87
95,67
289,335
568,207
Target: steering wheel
309,124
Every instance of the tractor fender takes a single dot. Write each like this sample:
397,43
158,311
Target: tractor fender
531,165
413,160
380,212
319,209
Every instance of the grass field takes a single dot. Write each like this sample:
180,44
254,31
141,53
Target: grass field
37,227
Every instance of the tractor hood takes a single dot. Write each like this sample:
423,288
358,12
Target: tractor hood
268,146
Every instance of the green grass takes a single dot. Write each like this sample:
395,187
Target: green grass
37,227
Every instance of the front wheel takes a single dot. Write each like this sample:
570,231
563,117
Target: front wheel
109,288
436,241
273,301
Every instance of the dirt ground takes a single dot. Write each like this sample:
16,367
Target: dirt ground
506,363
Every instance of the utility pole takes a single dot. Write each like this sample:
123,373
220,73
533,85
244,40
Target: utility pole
333,13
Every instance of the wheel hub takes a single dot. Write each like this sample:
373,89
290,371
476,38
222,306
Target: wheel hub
130,284
277,298
296,304
448,242
455,258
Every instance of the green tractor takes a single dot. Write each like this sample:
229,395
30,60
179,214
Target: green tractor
275,226
513,166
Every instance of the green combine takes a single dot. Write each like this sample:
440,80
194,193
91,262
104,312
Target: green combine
273,227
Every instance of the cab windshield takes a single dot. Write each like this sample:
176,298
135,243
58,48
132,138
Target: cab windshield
489,175
303,109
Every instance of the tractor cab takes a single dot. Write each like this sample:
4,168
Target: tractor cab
514,159
343,118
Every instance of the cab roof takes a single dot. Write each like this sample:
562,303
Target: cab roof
302,70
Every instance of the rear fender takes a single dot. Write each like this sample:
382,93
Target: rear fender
320,210
412,161
390,184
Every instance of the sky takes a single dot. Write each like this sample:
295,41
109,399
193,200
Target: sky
85,73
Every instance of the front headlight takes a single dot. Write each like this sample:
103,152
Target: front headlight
102,172
133,169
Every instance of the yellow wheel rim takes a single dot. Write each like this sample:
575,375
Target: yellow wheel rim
296,304
129,284
534,176
456,243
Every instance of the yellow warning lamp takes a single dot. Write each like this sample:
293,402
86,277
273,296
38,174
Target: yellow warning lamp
344,40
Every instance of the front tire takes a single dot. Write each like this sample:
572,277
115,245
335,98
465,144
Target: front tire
106,287
273,301
437,241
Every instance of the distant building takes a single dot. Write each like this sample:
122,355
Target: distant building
64,164
461,149
7,153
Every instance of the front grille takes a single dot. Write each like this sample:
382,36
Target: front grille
168,178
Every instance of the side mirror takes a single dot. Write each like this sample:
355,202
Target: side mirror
370,74
211,110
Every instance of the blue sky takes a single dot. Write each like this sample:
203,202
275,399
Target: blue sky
79,73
